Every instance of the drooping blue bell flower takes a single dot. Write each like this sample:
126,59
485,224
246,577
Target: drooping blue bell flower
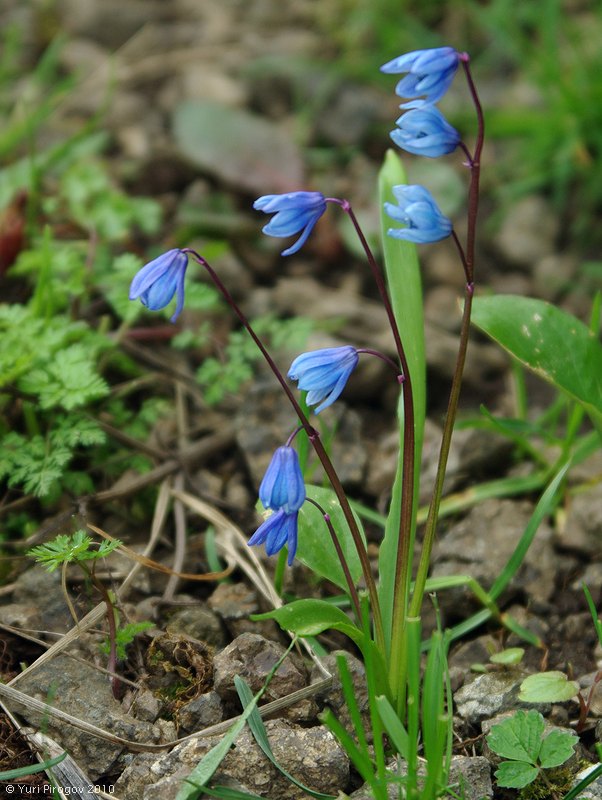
282,490
293,213
429,74
278,529
324,373
157,282
425,132
282,486
419,213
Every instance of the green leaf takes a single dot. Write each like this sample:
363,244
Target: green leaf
315,547
393,726
515,774
310,617
226,793
194,783
547,687
69,381
557,748
405,290
519,737
551,342
20,772
509,656
260,735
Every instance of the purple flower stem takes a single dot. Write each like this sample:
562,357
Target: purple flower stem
462,254
319,448
386,359
402,567
467,257
467,153
290,439
337,546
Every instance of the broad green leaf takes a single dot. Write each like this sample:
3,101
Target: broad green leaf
515,774
551,342
405,290
547,687
315,547
557,748
511,655
518,737
310,617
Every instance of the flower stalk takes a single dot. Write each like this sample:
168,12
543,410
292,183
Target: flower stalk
316,442
467,258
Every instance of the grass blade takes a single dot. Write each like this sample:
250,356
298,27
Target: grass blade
259,732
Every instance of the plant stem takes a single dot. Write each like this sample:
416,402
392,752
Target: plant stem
337,546
467,257
403,566
112,661
314,438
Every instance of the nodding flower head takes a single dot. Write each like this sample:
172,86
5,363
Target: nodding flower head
429,74
282,490
293,213
425,132
282,486
278,529
417,210
157,282
324,373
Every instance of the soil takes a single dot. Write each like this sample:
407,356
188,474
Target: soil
277,62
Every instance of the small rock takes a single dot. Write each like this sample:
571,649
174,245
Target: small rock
472,777
21,615
474,651
200,713
146,706
334,697
582,529
135,777
43,589
234,603
489,694
469,777
481,544
196,621
312,755
85,693
252,657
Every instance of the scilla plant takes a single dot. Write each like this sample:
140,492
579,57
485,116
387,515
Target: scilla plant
318,525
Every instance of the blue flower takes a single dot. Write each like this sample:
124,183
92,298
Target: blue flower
324,373
418,211
294,212
429,73
157,282
425,132
278,529
283,491
282,486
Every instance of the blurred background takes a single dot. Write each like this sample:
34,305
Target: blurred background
133,126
